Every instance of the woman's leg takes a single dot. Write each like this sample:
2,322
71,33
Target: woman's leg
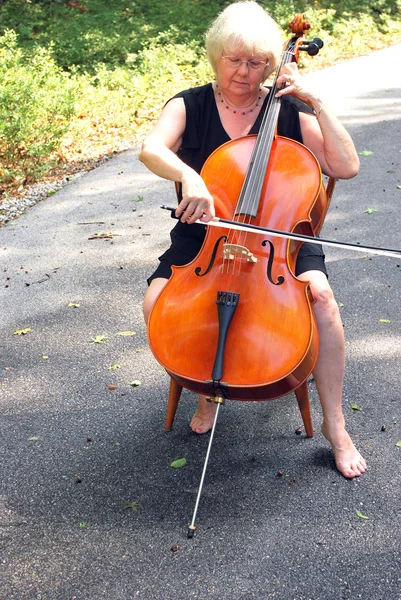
329,375
152,292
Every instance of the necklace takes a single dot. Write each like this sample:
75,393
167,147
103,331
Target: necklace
234,110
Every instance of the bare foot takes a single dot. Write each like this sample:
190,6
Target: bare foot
348,460
202,421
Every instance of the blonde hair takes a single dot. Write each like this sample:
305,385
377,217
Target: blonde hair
247,27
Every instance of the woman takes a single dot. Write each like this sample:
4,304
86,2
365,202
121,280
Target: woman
243,46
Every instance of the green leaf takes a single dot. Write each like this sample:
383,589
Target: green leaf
340,304
134,506
398,187
355,407
370,210
135,383
384,321
366,153
83,524
32,439
360,515
114,367
22,331
398,444
99,339
180,462
72,305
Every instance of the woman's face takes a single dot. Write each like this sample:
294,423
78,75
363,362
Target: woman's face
240,73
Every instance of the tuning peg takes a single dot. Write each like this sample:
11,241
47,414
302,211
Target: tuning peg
313,47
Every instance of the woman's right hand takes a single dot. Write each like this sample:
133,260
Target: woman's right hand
197,202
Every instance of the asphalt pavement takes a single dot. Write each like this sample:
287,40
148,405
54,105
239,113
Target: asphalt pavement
90,507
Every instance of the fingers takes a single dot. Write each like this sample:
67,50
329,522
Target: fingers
287,84
191,211
288,81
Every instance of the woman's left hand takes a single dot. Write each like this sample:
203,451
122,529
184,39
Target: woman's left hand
291,82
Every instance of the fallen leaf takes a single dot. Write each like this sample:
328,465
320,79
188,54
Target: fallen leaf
180,462
355,407
135,383
134,506
398,444
360,515
22,331
99,339
370,210
366,153
32,439
112,387
83,524
45,357
113,367
126,333
72,305
398,187
384,321
340,304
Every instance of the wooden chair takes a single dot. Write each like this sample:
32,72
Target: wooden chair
301,394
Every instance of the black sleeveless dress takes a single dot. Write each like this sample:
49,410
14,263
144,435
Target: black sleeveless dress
204,133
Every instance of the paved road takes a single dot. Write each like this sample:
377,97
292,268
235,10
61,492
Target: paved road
90,508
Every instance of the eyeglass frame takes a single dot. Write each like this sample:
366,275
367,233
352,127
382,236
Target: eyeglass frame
229,58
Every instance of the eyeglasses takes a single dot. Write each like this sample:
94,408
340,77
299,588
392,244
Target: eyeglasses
235,63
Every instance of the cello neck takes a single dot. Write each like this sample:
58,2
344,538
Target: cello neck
249,199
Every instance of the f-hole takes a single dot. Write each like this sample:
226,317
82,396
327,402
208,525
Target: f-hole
198,270
280,278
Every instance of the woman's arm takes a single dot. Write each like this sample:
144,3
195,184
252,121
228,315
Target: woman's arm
159,155
323,134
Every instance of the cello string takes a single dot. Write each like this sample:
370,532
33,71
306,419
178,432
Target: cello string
254,179
253,183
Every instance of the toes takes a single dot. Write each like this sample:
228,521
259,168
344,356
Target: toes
353,468
199,425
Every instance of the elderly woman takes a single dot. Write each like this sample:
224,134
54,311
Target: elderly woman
243,46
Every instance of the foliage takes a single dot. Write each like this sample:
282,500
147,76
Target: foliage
36,105
94,75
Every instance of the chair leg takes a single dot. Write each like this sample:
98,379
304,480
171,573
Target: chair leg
304,406
173,400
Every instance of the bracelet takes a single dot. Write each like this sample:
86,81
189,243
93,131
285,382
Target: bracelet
319,111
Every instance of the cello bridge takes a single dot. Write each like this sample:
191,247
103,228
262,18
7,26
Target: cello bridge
230,251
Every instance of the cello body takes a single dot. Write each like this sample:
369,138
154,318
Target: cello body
272,342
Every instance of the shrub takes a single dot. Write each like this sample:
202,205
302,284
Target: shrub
36,105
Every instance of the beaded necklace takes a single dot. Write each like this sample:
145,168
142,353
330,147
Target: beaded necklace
234,110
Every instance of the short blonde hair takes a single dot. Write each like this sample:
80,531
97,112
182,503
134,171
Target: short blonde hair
248,27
